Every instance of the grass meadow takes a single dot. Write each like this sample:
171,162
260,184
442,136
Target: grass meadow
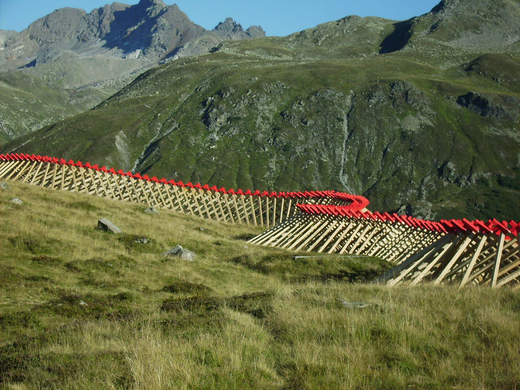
84,309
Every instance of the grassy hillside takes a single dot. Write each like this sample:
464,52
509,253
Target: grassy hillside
27,103
36,97
84,309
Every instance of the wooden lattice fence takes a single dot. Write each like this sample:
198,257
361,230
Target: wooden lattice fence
450,251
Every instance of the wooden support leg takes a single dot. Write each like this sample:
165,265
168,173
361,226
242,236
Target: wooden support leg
5,168
358,227
396,274
341,225
498,259
453,260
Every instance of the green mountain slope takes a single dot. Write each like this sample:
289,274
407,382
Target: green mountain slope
28,102
324,109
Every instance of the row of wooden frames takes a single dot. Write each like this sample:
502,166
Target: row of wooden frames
456,251
255,208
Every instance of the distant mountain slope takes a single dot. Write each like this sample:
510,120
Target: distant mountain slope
32,102
343,106
459,24
100,52
149,30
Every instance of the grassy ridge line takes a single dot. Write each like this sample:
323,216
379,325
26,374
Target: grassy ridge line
83,309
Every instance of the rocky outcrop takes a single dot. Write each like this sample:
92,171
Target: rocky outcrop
179,251
229,29
108,226
499,107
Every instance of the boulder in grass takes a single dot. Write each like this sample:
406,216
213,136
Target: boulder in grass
107,226
17,201
361,305
4,186
151,210
179,251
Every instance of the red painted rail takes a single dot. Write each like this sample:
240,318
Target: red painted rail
352,202
510,228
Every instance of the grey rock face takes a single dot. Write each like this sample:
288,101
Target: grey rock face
179,251
499,107
107,226
229,29
255,32
149,30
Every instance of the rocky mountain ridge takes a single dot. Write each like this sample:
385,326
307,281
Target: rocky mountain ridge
96,54
149,30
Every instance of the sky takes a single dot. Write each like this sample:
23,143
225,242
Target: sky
277,17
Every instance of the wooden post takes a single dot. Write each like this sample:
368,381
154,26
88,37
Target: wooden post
498,259
341,225
454,259
343,234
407,266
326,232
260,211
6,167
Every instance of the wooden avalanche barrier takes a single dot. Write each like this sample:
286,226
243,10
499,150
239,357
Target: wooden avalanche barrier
455,251
253,208
326,229
459,252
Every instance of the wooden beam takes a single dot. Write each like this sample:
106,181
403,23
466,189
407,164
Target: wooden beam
436,259
411,261
342,235
454,259
473,261
341,224
498,259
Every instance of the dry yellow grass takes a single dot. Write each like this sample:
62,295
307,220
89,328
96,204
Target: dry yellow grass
83,309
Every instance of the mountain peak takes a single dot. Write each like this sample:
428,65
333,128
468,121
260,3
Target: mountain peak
444,5
152,3
229,25
233,30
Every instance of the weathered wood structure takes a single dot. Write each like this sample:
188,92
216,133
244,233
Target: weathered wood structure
459,252
256,208
450,251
